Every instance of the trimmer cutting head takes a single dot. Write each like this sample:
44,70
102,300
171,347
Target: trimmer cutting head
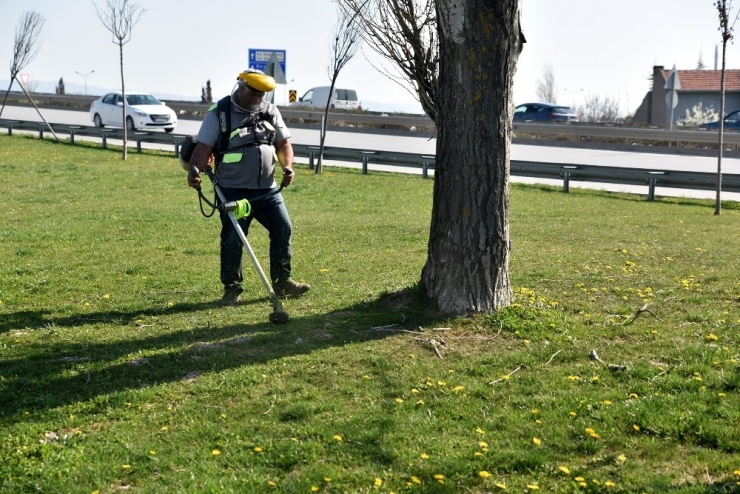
279,317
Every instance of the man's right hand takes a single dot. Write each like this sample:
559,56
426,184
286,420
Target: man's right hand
194,179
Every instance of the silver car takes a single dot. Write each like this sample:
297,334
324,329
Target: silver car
143,111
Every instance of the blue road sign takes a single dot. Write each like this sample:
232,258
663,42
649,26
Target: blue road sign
258,58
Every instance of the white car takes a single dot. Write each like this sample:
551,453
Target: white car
143,111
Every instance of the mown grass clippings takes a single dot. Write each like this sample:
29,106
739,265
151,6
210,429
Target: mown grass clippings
120,371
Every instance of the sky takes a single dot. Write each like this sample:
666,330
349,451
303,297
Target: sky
603,48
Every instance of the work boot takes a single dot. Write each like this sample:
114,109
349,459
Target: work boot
231,295
290,287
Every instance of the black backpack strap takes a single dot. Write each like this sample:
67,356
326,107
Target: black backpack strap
223,112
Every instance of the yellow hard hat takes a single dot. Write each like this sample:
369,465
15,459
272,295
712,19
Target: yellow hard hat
257,80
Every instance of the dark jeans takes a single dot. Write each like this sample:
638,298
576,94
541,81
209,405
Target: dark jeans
271,213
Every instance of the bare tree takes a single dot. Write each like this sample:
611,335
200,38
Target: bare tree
461,56
601,109
119,17
726,28
546,90
345,42
404,32
25,48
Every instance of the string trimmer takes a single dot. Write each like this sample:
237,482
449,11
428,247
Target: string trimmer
236,211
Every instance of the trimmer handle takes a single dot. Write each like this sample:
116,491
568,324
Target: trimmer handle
194,173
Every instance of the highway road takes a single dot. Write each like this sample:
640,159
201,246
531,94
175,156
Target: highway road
421,145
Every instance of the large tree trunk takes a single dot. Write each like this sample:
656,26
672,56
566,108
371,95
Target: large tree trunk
467,268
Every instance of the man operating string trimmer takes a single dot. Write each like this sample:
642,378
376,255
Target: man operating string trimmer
238,134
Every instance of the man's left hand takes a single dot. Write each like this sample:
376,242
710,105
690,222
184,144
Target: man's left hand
288,176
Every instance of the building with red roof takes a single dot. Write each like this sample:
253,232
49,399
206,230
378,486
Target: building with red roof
697,86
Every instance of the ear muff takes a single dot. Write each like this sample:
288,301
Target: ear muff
260,82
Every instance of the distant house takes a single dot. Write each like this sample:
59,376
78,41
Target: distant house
697,86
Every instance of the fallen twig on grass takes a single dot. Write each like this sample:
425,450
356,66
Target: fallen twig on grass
613,367
553,356
507,376
434,341
642,309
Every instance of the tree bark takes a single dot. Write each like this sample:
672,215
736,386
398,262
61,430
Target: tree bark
467,268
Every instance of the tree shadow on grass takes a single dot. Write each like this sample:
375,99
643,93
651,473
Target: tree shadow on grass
71,371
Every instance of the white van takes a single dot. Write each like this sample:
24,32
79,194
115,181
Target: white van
343,99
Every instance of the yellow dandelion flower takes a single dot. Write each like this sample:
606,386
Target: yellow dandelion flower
294,439
164,428
533,487
565,470
366,376
257,449
95,492
215,452
606,403
378,482
441,383
439,476
595,379
594,435
480,431
636,427
538,421
609,483
327,479
483,444
323,270
583,484
572,414
415,480
414,390
458,388
107,295
399,400
223,415
537,441
737,472
337,437
535,411
579,479
484,474
477,453
589,430
314,488
712,337
622,458
125,467
170,304
424,456
574,378
595,481
152,452
420,402
501,486
271,483
721,394
633,395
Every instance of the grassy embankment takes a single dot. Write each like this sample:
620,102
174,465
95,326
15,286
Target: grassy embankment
119,371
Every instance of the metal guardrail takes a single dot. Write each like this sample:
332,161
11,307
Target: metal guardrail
580,130
650,178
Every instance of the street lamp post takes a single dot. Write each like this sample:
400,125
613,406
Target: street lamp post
573,93
85,76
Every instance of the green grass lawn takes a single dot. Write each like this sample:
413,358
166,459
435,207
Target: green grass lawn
119,372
